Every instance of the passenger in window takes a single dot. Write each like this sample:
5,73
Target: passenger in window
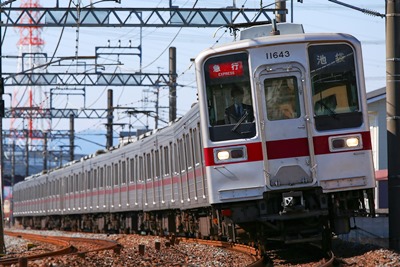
238,110
282,104
287,108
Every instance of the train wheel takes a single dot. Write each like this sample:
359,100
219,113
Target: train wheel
326,242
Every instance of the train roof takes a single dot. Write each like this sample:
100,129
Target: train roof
105,152
257,36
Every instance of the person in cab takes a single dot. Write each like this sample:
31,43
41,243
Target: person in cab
238,110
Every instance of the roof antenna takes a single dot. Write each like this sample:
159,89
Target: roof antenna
275,30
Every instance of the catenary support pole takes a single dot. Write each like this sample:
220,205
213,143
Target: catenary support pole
172,83
71,138
279,4
45,152
109,119
393,118
2,244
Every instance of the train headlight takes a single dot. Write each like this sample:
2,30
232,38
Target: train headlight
352,142
223,155
230,154
341,143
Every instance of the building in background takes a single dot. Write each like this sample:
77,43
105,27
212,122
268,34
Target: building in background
376,101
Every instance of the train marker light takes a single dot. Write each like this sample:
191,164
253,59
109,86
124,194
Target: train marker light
338,143
230,154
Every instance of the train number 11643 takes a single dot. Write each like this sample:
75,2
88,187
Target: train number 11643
280,54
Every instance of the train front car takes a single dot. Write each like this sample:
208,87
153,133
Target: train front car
285,131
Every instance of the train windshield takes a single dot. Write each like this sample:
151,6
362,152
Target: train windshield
334,87
229,97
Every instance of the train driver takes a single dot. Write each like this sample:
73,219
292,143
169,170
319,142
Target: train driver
287,108
238,109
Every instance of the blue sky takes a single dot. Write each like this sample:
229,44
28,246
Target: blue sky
315,15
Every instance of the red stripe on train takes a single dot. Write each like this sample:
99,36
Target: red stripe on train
288,148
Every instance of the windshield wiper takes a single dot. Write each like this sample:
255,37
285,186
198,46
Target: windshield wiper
331,111
240,121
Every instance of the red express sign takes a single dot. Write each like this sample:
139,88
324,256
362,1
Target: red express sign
224,70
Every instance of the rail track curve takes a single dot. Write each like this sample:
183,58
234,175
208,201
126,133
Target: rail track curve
67,248
65,244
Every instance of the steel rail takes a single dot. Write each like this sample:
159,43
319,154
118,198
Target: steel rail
62,241
66,247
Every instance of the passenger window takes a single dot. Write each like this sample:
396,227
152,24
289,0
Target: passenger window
282,98
157,164
133,169
141,169
95,179
116,178
166,160
101,177
123,172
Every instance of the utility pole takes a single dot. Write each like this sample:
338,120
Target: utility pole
12,181
109,119
172,83
157,92
27,153
2,244
71,138
157,102
393,118
45,151
279,4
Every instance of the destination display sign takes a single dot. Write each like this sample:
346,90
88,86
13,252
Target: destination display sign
326,58
226,69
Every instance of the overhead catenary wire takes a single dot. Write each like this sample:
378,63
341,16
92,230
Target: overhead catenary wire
185,72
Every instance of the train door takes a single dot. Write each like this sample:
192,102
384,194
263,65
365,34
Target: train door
287,139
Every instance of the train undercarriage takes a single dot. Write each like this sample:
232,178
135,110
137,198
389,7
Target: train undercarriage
289,217
307,216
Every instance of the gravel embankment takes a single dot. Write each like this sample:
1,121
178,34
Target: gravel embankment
189,254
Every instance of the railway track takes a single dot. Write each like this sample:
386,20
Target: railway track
80,246
67,245
321,259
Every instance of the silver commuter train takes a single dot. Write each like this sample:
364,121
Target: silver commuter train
293,164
